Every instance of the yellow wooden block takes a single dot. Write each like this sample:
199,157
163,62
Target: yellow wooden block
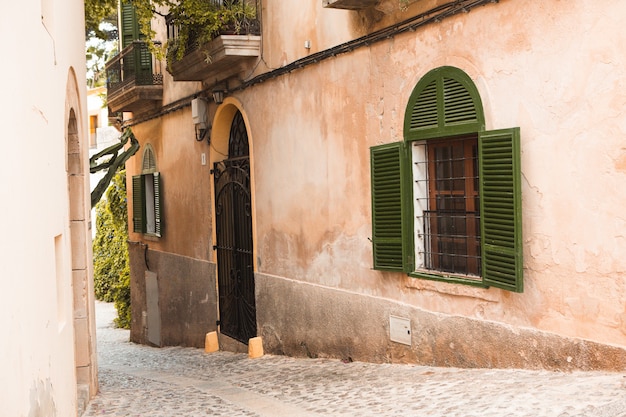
255,348
211,343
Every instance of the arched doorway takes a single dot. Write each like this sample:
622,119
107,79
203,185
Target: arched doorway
234,244
86,377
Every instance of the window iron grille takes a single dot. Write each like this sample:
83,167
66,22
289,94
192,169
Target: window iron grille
447,207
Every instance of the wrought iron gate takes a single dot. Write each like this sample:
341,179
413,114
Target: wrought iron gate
233,220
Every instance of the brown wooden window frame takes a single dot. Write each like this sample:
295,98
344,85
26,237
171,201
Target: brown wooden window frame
451,221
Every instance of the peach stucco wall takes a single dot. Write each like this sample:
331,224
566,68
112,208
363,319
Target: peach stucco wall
186,209
554,69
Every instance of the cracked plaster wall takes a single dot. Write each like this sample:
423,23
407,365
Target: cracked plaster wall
555,70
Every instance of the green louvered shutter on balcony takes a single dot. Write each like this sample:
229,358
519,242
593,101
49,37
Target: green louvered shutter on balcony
157,203
130,26
138,204
391,252
501,209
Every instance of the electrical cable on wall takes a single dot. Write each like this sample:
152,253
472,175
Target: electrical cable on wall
435,15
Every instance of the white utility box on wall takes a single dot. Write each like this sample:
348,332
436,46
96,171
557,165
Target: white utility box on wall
199,111
400,330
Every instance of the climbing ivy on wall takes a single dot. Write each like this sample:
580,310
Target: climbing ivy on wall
110,250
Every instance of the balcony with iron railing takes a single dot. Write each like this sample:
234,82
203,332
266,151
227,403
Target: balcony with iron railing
134,79
232,49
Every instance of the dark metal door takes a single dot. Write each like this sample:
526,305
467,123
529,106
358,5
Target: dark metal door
233,220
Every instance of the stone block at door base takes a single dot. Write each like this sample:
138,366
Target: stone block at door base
255,348
211,343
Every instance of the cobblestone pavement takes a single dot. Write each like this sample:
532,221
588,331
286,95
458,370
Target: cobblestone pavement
169,382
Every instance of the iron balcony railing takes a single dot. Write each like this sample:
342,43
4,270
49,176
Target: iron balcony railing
246,22
134,65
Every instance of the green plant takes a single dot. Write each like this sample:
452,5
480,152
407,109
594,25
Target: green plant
122,301
97,12
110,250
198,21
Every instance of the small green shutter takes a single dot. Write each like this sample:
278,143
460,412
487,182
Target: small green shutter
138,204
391,253
157,204
425,111
149,161
501,208
130,25
459,107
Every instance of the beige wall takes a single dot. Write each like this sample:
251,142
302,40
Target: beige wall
554,69
40,253
183,300
186,210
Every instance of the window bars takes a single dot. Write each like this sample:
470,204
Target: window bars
447,206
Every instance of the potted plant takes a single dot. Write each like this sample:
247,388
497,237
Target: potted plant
196,22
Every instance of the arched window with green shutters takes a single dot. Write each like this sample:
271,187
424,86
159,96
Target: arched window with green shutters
147,196
446,202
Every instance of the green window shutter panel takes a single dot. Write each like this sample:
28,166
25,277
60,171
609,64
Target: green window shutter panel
157,203
145,65
138,204
388,212
500,209
458,104
444,102
149,161
130,25
424,114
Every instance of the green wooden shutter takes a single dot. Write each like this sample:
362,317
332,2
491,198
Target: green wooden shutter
149,161
445,102
501,208
425,111
157,203
130,25
389,197
459,107
138,204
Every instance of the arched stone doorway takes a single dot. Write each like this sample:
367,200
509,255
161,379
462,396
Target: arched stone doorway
80,244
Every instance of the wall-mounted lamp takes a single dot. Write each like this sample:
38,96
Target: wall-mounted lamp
218,96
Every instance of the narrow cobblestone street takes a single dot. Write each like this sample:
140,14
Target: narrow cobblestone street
144,381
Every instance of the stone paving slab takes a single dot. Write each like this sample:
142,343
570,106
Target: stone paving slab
141,381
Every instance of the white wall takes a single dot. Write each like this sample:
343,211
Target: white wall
37,346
